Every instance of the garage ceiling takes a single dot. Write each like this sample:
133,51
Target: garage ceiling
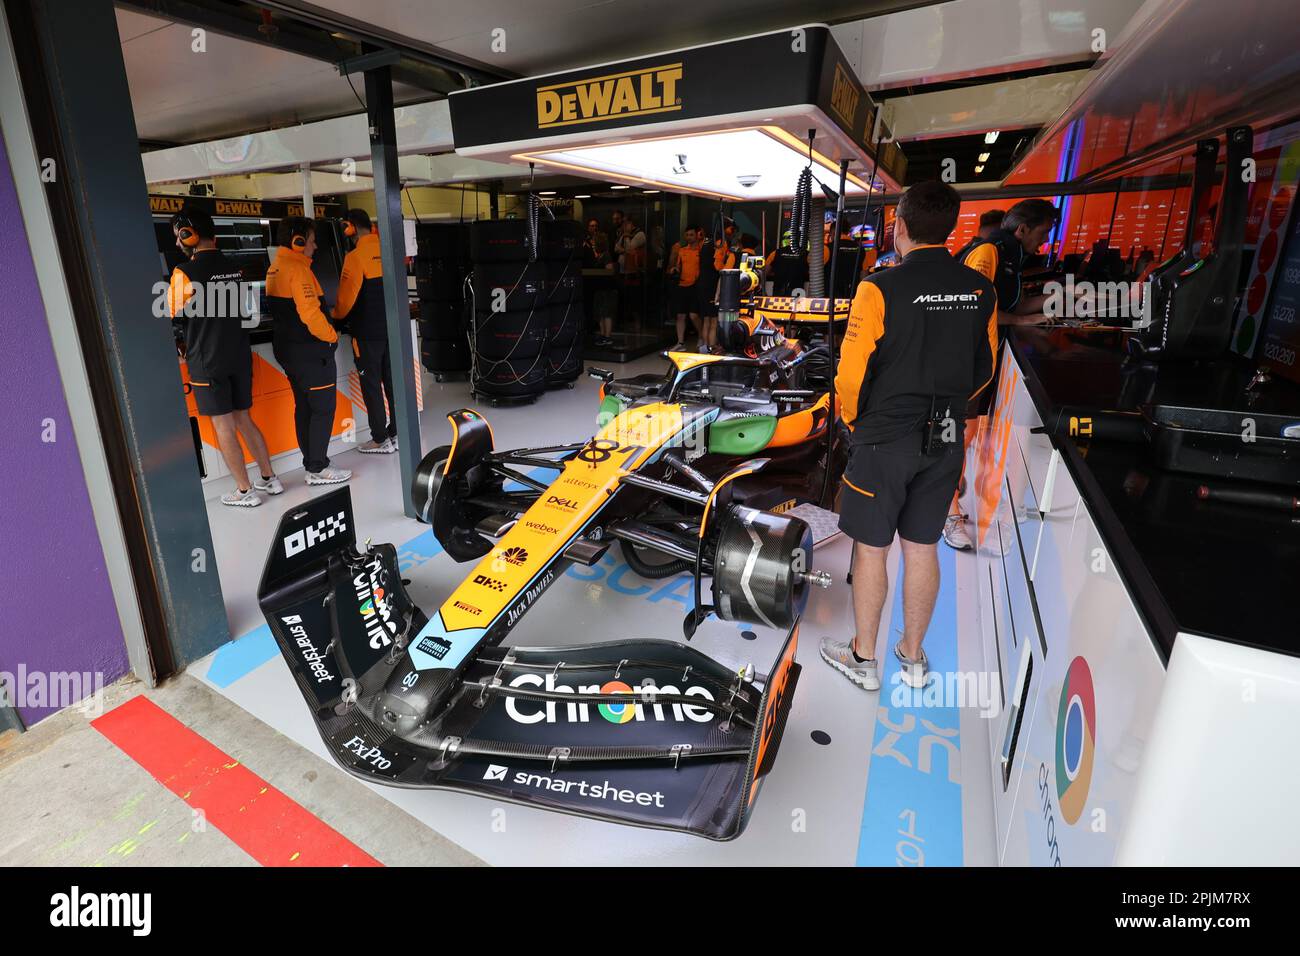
181,96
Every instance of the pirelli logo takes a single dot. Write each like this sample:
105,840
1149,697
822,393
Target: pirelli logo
602,98
844,95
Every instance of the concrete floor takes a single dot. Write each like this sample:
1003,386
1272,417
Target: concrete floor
72,798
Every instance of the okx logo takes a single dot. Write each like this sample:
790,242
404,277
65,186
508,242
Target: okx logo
1076,736
313,534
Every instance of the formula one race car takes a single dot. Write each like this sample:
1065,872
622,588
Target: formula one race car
657,734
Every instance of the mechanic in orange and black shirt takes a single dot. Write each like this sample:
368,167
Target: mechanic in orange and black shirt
304,342
205,297
361,305
999,254
917,348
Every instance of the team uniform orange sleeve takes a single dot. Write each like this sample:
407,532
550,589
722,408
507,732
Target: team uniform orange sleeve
349,285
984,260
179,291
866,326
306,296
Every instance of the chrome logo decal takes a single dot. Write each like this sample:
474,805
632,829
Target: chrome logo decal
1076,737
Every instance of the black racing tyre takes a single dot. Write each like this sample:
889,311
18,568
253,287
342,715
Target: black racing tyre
560,239
517,335
448,356
443,319
565,317
509,287
563,286
438,501
442,240
759,565
499,240
650,564
510,377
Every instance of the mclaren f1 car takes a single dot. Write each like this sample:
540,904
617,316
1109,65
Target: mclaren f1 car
692,471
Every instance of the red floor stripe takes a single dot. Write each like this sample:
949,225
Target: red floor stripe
265,823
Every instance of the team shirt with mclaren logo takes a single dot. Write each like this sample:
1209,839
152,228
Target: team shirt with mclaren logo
917,333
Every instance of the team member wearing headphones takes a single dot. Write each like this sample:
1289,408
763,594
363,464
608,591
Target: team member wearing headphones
217,351
361,304
304,344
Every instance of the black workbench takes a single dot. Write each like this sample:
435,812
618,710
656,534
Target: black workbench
1204,567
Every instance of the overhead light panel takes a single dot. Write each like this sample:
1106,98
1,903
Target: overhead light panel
991,137
701,163
979,169
984,157
546,192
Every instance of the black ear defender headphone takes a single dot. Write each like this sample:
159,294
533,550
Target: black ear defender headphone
185,231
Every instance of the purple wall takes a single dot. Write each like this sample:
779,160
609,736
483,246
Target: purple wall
60,613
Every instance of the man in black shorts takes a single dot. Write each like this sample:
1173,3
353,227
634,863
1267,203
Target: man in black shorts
206,297
683,290
916,350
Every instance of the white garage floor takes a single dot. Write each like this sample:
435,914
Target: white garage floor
867,779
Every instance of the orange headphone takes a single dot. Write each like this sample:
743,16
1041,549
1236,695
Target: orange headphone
186,233
349,228
298,241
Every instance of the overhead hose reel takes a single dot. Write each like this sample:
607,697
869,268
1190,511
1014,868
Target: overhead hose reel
761,568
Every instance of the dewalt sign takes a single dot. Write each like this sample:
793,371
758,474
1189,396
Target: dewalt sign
617,96
844,96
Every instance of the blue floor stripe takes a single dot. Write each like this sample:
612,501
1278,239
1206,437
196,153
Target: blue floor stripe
912,812
242,655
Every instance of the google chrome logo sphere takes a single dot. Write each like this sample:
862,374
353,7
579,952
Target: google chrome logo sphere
1076,737
617,713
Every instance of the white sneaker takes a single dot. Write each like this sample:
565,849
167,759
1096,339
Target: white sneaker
374,448
392,444
839,654
328,476
705,349
270,486
955,534
241,499
679,347
914,673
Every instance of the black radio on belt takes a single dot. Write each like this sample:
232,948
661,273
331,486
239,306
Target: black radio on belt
940,431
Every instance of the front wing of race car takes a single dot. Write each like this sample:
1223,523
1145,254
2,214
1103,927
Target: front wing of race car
644,732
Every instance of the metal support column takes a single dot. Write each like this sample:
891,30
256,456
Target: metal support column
74,82
392,249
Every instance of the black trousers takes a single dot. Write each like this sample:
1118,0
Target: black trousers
313,375
376,373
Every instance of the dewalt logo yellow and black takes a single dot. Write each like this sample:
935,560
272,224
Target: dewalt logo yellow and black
844,95
602,98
